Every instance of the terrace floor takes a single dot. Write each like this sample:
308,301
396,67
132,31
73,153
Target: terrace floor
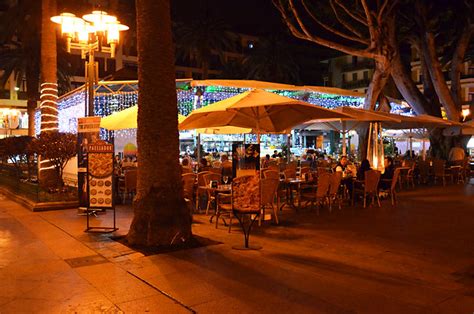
414,258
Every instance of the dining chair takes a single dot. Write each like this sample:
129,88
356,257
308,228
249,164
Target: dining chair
189,182
439,169
281,189
208,178
320,196
335,189
392,188
269,188
201,188
369,187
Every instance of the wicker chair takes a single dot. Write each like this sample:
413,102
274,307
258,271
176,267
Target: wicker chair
321,195
269,187
393,186
281,189
439,169
424,171
201,187
189,181
208,178
369,188
334,189
130,183
289,173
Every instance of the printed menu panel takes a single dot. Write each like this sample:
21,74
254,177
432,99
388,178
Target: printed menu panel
100,174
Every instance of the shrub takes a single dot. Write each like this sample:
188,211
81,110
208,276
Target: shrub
58,148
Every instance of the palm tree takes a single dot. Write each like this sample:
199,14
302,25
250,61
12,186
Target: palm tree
200,39
160,213
271,60
49,81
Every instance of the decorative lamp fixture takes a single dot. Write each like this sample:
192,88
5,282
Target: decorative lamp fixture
89,32
465,113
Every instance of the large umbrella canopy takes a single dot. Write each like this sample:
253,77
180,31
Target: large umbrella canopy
415,122
356,116
259,110
125,119
224,130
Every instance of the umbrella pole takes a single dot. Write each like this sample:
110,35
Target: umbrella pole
411,143
344,148
198,147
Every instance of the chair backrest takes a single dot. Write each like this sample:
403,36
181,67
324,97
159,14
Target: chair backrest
396,176
215,170
274,167
371,181
304,170
335,183
212,177
424,168
200,178
271,174
216,164
131,179
189,179
324,180
246,193
282,166
186,170
438,167
269,187
289,173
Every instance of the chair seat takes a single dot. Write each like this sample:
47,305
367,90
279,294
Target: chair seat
225,206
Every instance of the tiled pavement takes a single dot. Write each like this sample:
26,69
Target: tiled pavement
417,257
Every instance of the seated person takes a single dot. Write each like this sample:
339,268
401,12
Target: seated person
388,174
203,165
275,154
225,162
346,173
266,161
364,166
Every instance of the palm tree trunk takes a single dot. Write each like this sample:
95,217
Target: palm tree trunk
160,213
49,86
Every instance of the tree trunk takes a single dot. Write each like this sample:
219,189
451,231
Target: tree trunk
160,213
437,76
49,81
457,64
407,87
379,80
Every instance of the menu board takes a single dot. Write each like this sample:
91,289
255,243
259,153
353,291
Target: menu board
245,159
100,166
87,132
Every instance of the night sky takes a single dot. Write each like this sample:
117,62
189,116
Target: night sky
257,17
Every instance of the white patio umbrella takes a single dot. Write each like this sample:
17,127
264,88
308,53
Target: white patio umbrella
262,111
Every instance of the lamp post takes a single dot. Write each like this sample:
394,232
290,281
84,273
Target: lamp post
89,34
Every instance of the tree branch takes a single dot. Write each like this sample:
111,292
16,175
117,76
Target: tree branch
358,39
304,34
345,24
370,21
354,15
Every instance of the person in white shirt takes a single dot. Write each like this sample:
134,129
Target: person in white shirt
456,155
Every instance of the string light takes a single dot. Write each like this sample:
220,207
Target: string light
107,102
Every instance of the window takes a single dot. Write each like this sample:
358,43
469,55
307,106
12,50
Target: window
354,59
354,76
366,75
343,77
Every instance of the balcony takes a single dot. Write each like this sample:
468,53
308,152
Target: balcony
355,84
368,64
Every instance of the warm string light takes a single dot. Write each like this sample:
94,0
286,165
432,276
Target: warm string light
48,97
105,103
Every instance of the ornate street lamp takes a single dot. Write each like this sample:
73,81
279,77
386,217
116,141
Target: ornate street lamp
88,34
